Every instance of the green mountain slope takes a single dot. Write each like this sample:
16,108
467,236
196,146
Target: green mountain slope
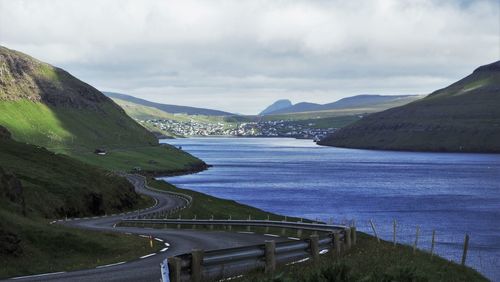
36,186
463,117
44,105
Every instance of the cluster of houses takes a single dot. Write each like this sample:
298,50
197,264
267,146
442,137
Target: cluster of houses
278,128
188,128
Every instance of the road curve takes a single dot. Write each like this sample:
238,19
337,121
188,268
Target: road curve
148,268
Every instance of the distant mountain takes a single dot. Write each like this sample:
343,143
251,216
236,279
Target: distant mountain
173,109
463,117
359,101
278,105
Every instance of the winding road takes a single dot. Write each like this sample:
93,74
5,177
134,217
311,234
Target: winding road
147,268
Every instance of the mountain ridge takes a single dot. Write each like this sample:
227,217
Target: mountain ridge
174,109
277,105
356,101
462,117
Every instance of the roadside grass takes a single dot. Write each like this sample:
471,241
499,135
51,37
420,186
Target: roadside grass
371,261
53,248
204,206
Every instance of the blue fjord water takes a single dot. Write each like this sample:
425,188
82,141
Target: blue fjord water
452,193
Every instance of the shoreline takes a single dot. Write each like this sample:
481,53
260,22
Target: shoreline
169,173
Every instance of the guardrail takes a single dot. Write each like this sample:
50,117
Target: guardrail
188,200
220,264
243,222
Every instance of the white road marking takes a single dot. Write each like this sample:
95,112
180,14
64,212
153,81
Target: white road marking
167,244
147,256
271,235
128,233
231,278
158,239
293,238
246,232
38,275
323,251
113,264
299,261
164,249
144,236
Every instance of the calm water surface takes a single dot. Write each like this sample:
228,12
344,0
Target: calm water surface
451,193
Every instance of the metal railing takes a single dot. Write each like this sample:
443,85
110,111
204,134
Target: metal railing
224,263
317,226
220,264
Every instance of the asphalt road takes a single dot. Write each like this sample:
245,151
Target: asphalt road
148,268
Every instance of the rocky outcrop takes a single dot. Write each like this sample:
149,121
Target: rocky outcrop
24,77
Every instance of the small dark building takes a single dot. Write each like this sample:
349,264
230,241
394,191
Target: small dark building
100,152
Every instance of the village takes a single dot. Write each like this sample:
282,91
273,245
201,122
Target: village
278,128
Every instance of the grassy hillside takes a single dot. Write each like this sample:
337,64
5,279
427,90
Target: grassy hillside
141,112
463,117
37,185
44,105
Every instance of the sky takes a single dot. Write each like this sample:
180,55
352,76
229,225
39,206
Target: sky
240,56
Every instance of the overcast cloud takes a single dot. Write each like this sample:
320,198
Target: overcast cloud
240,56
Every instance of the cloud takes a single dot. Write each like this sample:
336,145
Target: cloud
242,55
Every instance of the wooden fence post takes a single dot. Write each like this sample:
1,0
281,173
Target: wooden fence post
270,256
416,240
336,242
433,242
374,230
466,247
174,269
354,235
394,233
196,265
314,247
347,237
